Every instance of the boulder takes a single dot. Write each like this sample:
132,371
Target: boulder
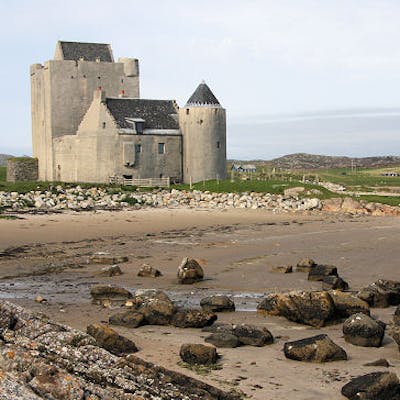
223,339
146,294
319,272
382,293
198,354
373,386
318,348
252,335
282,269
217,304
106,258
332,205
305,265
147,271
157,312
310,308
332,282
396,316
191,318
110,340
112,270
107,295
190,271
294,191
128,318
362,330
347,304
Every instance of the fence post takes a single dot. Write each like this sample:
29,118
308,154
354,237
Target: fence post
190,181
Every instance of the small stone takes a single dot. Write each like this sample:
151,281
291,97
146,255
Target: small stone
382,362
198,354
318,348
149,272
285,269
112,270
40,299
190,271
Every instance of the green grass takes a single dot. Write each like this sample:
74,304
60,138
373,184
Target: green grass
3,173
390,200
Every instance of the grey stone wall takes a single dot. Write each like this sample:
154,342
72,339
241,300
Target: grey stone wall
22,169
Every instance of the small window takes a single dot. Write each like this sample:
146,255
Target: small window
139,127
161,148
218,145
187,111
138,148
103,125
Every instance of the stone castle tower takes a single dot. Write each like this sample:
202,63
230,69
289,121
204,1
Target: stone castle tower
203,125
90,124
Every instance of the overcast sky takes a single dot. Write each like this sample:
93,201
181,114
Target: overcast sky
268,62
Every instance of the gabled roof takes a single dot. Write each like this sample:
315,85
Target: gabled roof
87,51
202,96
158,114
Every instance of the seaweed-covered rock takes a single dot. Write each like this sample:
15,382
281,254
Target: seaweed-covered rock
373,386
362,330
128,318
217,304
111,340
382,293
112,270
223,339
347,304
250,335
157,312
190,271
319,272
318,348
191,318
198,354
310,308
282,269
332,282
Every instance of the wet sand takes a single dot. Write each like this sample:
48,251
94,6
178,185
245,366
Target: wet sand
237,249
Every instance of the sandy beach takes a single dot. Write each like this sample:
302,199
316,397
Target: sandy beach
47,255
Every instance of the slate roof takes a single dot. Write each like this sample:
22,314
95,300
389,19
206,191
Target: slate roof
158,114
89,51
202,96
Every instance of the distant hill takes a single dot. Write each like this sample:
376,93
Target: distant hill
315,161
3,159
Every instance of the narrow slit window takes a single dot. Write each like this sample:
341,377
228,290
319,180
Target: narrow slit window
138,148
218,145
161,148
103,125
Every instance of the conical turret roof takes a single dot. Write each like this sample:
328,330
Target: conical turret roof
203,97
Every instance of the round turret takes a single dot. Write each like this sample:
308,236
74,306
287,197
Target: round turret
203,125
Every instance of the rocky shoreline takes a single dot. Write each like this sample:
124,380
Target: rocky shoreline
79,199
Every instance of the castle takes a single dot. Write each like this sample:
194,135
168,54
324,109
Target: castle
89,123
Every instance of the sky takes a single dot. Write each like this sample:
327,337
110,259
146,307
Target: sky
315,76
